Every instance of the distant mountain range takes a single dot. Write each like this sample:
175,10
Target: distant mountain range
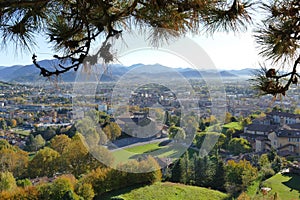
30,73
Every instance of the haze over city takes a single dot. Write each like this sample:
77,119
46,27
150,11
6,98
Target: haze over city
227,50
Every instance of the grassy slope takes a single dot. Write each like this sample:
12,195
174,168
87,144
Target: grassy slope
287,186
253,189
22,132
153,149
145,148
172,191
234,125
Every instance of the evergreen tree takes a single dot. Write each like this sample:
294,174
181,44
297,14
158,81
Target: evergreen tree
176,172
184,169
167,119
219,178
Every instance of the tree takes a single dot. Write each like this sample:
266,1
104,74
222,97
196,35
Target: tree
7,181
277,164
175,172
13,159
24,183
97,178
239,145
190,125
4,144
243,196
44,163
85,190
246,121
264,160
59,143
112,131
12,123
184,168
61,188
279,37
202,126
74,30
151,171
177,133
239,175
213,140
3,124
228,117
167,120
29,192
219,178
76,158
48,134
229,133
266,166
35,143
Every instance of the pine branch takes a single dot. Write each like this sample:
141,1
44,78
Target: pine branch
22,4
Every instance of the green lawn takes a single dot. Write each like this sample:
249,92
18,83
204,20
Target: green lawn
145,148
22,132
253,189
153,149
287,186
170,191
235,125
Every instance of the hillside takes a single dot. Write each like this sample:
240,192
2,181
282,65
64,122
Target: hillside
28,73
170,191
4,84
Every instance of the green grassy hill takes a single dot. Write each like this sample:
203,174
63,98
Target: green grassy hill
284,186
287,186
170,191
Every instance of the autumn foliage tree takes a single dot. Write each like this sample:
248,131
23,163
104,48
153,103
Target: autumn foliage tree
44,163
239,175
13,159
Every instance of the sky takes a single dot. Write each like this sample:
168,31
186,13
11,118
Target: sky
227,51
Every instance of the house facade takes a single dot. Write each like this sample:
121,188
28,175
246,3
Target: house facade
284,118
278,130
286,141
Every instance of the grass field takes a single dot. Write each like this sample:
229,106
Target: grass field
253,189
169,191
145,148
22,132
153,149
235,125
287,186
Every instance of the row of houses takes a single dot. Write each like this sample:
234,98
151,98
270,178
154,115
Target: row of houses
278,130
